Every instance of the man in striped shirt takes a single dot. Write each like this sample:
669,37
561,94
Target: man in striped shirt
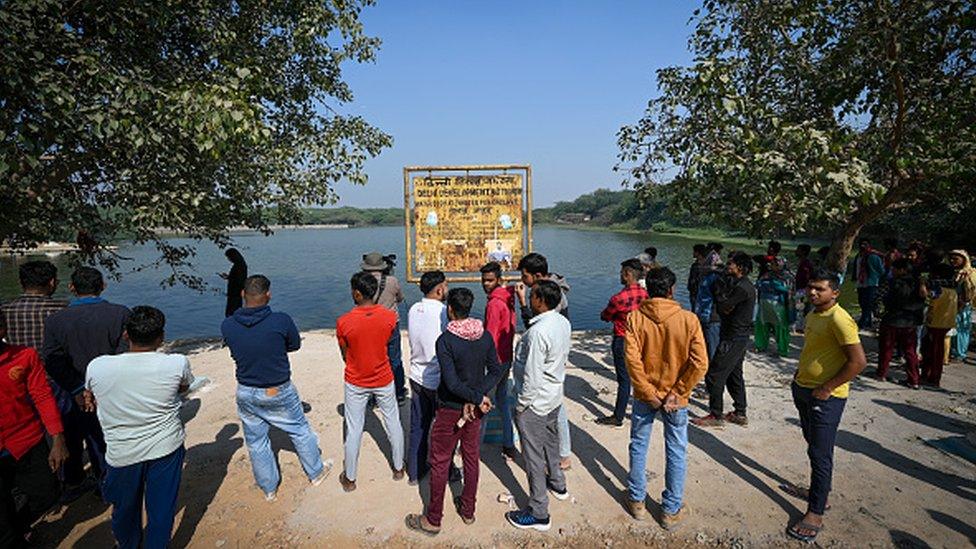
621,304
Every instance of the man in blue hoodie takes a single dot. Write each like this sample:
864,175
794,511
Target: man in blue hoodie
259,342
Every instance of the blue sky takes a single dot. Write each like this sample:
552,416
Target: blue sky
544,83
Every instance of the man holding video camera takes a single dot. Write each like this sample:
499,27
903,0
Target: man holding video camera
389,295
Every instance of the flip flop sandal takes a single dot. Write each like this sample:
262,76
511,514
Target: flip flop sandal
414,522
793,532
798,493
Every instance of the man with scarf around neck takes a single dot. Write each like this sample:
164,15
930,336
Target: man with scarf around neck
88,328
469,372
539,371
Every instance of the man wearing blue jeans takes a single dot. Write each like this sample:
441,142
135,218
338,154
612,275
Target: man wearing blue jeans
259,342
616,311
665,353
137,396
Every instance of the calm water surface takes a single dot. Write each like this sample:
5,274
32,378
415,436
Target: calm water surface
310,269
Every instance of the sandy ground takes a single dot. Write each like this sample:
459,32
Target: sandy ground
891,487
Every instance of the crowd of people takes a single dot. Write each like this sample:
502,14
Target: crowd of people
90,374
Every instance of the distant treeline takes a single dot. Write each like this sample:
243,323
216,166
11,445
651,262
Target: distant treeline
354,217
615,209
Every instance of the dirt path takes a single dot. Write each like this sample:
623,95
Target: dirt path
891,488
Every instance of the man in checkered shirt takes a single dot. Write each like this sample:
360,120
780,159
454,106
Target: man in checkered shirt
621,304
26,314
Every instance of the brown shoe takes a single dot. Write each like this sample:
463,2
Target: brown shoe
670,522
398,474
565,463
419,523
738,419
347,485
711,420
636,509
457,507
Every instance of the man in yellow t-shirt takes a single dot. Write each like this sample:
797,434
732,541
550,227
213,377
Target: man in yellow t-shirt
832,356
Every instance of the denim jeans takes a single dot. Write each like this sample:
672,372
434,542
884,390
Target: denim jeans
260,408
964,327
675,453
423,404
711,331
819,420
394,350
867,300
565,443
505,408
623,378
156,483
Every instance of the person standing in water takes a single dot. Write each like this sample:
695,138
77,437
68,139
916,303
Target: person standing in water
235,280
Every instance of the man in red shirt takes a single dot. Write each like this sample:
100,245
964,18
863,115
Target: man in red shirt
363,334
616,311
26,464
500,323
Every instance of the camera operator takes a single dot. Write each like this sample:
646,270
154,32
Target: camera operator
389,295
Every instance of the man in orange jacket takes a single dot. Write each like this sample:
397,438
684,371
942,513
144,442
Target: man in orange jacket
666,357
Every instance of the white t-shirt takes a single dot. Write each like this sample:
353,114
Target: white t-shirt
425,322
138,404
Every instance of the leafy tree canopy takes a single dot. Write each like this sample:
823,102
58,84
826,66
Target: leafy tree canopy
122,118
813,116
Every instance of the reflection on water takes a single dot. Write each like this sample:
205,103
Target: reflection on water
310,270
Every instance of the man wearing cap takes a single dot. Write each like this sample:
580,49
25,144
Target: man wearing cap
389,295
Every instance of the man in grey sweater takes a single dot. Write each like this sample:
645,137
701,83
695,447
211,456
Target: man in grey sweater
539,372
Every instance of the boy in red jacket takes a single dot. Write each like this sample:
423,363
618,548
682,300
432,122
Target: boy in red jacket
25,462
500,323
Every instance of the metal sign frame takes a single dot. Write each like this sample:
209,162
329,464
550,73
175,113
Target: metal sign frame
491,169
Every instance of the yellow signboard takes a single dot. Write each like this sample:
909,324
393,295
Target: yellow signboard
458,222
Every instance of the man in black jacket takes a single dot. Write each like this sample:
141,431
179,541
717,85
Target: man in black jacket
904,304
469,372
88,328
735,298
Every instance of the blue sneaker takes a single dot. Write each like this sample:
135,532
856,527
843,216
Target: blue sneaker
525,521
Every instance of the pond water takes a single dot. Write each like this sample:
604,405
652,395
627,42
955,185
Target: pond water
310,269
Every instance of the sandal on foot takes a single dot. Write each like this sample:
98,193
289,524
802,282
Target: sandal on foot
799,493
416,523
793,532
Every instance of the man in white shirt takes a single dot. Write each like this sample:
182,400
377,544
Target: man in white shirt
137,398
425,322
539,370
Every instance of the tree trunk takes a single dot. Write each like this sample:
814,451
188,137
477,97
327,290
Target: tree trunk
841,245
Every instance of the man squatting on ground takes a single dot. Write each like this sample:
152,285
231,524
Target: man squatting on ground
666,357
